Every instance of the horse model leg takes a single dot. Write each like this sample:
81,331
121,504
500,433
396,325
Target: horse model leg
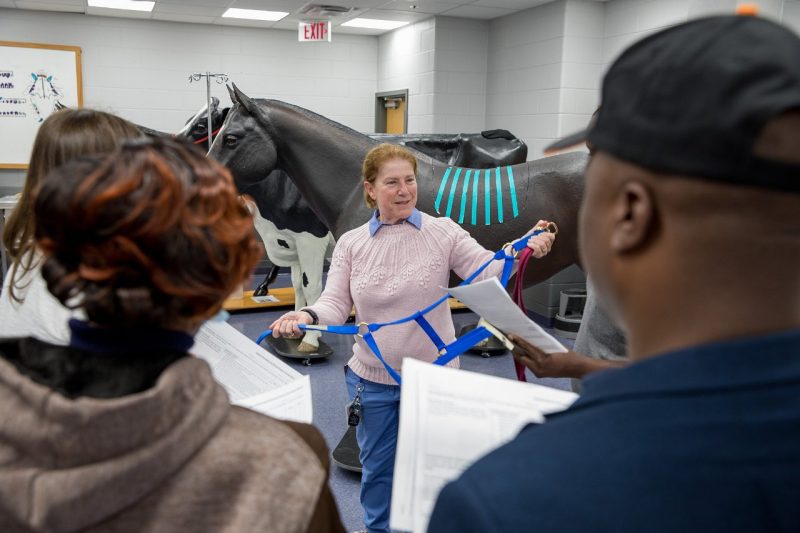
310,341
263,287
311,254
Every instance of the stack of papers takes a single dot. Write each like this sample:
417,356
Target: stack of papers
448,419
252,376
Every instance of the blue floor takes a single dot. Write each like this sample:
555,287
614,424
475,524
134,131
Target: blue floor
330,394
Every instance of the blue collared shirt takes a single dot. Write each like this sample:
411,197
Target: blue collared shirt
375,224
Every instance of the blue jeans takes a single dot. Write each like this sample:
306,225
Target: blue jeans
377,439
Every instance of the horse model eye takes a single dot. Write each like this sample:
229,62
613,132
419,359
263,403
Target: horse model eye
201,126
231,140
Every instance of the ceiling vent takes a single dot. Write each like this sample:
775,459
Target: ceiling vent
324,11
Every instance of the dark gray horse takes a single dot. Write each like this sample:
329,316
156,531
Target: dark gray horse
324,157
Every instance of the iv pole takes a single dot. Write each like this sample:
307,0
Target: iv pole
220,79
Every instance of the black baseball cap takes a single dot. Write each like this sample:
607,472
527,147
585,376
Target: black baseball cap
692,100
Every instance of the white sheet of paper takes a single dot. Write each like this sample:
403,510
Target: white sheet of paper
253,377
264,299
489,299
448,419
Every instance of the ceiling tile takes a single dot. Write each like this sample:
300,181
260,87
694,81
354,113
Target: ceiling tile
198,10
362,4
421,6
216,3
80,3
478,12
516,5
119,13
183,17
385,14
49,6
270,5
356,31
225,21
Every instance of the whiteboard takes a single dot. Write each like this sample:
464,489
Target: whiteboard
34,80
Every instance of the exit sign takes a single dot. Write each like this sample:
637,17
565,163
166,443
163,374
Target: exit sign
314,31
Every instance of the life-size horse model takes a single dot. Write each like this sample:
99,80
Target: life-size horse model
295,237
324,157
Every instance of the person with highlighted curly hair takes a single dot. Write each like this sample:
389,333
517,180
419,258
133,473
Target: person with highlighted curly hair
123,430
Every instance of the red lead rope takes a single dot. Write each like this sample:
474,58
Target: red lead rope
204,139
524,257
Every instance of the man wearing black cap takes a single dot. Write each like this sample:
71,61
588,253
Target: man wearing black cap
690,230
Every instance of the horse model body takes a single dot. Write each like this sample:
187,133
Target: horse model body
487,149
324,159
295,237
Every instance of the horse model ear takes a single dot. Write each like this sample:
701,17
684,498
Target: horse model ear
249,104
214,101
242,98
231,93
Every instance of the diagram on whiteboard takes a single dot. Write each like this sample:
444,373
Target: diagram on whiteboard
40,97
43,95
35,81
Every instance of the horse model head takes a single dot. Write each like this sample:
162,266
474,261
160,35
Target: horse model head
196,128
243,145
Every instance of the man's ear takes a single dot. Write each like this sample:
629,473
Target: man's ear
635,217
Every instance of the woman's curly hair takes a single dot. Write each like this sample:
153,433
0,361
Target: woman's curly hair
154,235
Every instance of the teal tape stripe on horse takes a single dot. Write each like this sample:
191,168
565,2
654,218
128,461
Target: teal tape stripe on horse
513,192
453,187
471,194
475,198
464,190
441,189
499,189
487,193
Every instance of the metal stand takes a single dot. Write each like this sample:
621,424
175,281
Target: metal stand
220,79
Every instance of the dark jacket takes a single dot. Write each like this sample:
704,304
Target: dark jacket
702,439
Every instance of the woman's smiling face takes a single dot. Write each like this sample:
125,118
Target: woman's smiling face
394,190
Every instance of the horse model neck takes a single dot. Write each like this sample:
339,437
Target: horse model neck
324,160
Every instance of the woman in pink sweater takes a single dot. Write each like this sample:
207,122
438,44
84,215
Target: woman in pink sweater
389,268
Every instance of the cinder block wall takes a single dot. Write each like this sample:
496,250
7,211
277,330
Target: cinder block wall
139,69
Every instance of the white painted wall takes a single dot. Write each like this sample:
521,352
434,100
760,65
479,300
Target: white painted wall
139,69
627,21
442,62
524,74
462,53
406,61
582,64
546,63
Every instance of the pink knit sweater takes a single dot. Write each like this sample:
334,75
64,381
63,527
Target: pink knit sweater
392,274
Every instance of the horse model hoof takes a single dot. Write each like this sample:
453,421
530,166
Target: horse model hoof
261,290
307,348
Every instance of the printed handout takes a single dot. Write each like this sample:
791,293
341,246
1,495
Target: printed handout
489,299
448,419
253,377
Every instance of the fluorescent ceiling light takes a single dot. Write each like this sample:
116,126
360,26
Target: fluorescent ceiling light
253,14
130,5
374,24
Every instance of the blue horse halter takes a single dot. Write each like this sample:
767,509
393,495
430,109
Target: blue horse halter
447,352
